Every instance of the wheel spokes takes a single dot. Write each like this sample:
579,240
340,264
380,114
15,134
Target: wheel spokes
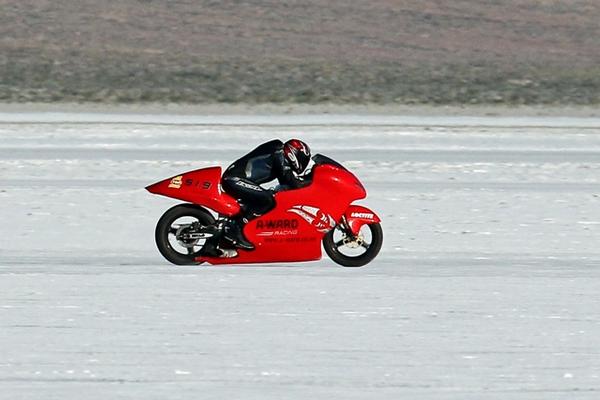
353,249
351,243
184,244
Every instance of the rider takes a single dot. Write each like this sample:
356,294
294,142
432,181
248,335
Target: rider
285,162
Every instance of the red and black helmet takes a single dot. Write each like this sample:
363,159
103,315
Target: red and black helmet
297,154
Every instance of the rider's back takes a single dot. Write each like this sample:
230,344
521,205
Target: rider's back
261,165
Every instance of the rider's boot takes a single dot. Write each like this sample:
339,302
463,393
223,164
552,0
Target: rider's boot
210,249
234,233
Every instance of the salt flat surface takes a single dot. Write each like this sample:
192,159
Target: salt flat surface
300,119
486,287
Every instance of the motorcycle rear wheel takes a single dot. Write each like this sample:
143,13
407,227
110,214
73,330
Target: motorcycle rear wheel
169,233
338,238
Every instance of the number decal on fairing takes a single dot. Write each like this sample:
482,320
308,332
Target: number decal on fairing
199,184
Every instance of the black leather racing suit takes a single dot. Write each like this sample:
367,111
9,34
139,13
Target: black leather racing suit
242,179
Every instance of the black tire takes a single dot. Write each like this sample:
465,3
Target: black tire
332,249
163,228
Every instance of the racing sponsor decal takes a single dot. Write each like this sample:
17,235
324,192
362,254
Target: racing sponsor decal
277,227
176,182
289,239
248,186
277,224
362,215
280,232
321,221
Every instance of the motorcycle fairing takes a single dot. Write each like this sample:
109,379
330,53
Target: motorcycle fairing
294,229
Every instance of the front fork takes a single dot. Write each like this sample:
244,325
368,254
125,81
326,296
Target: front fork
345,228
357,216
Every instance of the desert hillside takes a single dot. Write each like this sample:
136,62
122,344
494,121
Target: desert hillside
427,51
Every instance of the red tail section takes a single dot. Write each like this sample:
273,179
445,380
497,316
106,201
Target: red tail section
199,187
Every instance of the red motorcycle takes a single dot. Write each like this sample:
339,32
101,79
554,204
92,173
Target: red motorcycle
292,231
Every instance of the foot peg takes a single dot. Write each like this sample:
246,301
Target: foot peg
215,252
228,253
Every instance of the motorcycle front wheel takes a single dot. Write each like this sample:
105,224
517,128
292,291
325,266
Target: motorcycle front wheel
353,250
176,233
